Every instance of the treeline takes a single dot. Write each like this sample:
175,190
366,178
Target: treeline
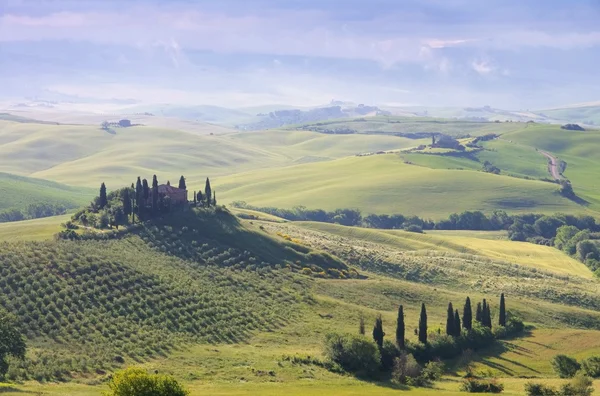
34,211
413,363
139,202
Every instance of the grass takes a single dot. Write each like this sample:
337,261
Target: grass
385,184
32,230
17,192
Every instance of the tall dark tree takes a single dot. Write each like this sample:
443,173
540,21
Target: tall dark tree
146,190
484,309
378,333
423,325
155,208
103,200
139,197
127,209
195,198
456,324
479,314
502,315
182,183
450,327
200,198
208,192
487,316
214,202
400,328
467,315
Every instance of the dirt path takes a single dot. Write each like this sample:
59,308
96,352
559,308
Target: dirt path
552,165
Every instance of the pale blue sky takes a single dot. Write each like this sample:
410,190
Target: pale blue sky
511,54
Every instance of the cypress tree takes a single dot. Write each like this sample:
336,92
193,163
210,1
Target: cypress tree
200,198
479,314
450,327
502,315
195,202
361,325
488,316
467,315
139,197
154,194
103,200
127,210
423,325
207,192
214,198
182,185
146,193
400,330
378,333
456,324
484,308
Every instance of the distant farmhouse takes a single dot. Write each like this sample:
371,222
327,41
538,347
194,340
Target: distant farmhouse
177,195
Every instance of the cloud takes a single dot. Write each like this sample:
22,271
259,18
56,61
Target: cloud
482,67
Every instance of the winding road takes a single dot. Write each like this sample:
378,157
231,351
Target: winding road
552,165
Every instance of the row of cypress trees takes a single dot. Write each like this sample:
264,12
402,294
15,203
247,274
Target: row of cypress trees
134,200
454,325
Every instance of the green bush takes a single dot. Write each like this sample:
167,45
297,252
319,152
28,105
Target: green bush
355,354
475,385
536,389
406,369
591,366
137,382
580,386
565,366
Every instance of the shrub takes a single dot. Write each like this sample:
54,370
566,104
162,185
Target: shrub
580,386
355,354
475,385
535,389
389,353
137,382
406,369
591,366
414,228
565,366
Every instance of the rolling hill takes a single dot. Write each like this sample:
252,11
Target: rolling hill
19,192
183,295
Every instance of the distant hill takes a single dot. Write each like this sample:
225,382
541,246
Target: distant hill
37,198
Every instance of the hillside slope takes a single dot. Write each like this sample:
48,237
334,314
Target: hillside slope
18,192
385,184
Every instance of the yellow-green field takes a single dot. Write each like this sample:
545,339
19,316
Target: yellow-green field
32,230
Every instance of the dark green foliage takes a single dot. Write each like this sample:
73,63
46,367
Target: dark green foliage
11,341
486,315
195,201
378,333
537,389
502,314
103,200
214,201
476,385
127,207
591,366
572,127
467,315
34,211
389,352
479,314
400,329
457,326
355,354
450,327
182,185
208,192
139,197
200,198
488,167
565,366
423,325
155,207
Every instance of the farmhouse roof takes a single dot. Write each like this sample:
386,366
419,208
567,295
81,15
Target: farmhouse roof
166,189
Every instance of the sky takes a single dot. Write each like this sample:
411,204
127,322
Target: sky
526,54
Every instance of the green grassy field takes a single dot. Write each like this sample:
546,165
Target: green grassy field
18,192
385,184
32,230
